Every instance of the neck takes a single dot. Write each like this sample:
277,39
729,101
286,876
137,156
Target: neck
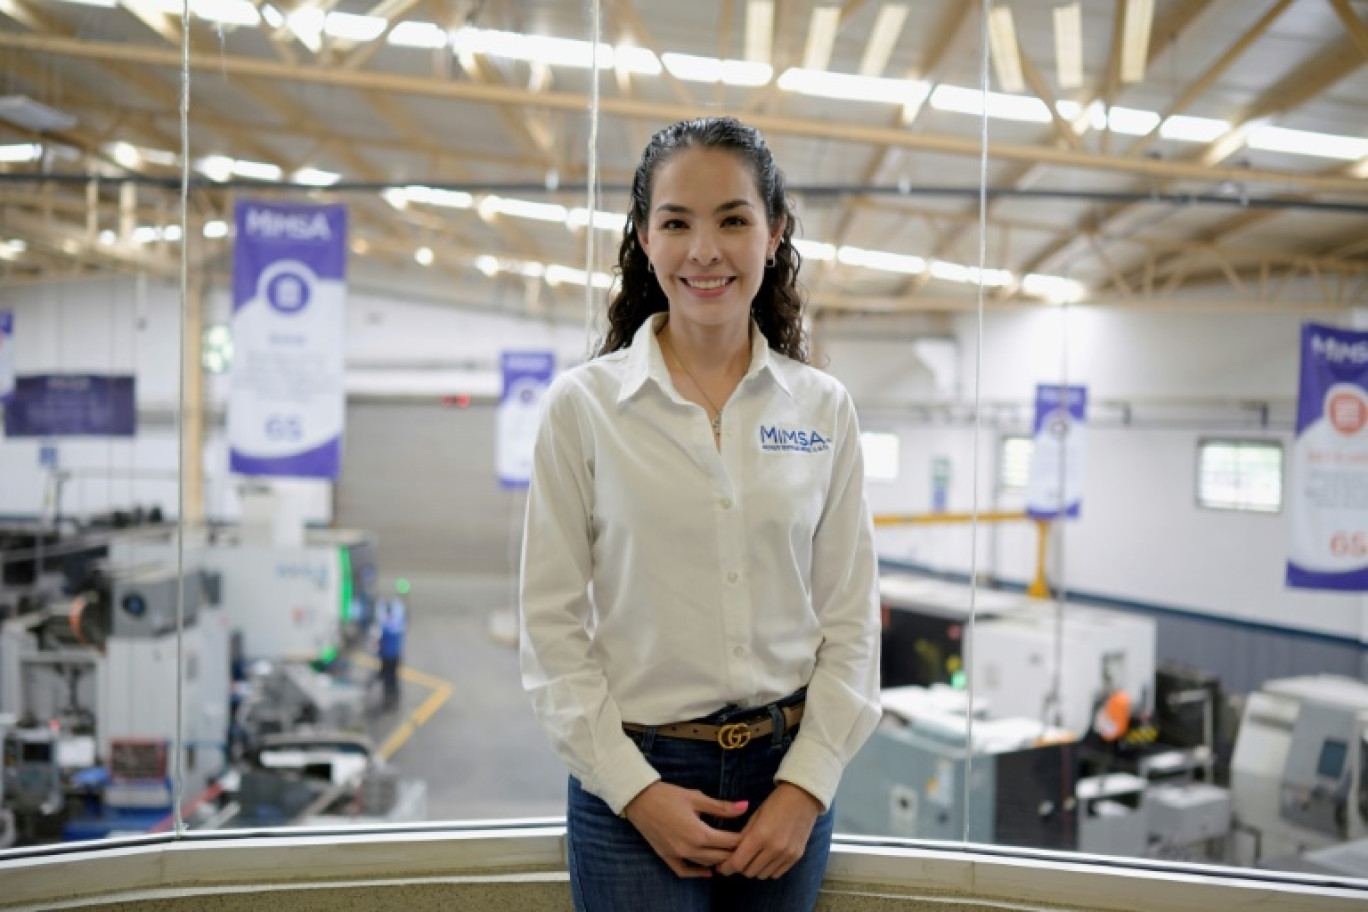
710,349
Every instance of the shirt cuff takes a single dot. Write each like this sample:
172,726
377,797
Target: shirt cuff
813,768
622,776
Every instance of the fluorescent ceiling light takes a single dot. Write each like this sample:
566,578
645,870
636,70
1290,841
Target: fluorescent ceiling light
1131,121
147,234
18,153
1360,169
272,16
1135,37
1193,129
882,260
315,178
1068,36
641,61
491,206
216,229
257,170
1304,142
1002,41
432,196
307,25
424,256
1053,288
351,27
822,84
12,248
103,4
418,34
125,154
532,48
759,30
711,69
487,264
215,167
108,237
814,250
1025,108
955,272
23,111
821,37
228,12
883,38
604,221
556,275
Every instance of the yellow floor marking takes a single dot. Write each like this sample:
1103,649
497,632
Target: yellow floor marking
441,692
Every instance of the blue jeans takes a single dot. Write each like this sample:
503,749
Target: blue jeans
614,869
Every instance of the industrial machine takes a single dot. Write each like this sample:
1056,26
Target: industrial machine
925,621
910,777
308,601
102,667
1299,772
1059,664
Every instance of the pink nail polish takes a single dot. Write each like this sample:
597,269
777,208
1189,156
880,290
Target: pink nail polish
742,805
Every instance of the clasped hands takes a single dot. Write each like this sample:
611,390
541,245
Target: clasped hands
671,820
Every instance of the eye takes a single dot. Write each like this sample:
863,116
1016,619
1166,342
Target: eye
672,224
735,221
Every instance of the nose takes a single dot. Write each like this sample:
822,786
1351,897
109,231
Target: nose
704,249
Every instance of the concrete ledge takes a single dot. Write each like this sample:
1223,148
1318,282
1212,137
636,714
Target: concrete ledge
522,868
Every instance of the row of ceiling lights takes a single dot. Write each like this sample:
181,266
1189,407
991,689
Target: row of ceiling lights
309,24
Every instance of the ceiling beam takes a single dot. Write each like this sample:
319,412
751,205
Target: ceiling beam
1352,24
625,107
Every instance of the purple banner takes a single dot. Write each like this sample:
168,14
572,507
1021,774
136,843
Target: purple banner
1055,486
1328,491
6,354
288,396
72,405
526,376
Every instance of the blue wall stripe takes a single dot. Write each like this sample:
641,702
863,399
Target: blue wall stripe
1107,601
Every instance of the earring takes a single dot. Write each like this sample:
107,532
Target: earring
772,261
650,267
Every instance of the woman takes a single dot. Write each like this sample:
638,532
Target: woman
699,604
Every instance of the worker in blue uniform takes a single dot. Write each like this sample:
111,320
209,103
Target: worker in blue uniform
392,623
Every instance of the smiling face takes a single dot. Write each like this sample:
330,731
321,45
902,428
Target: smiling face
708,236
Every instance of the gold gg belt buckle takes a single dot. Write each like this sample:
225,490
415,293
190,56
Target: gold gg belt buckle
734,735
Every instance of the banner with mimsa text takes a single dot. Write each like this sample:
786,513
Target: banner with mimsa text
288,396
1328,494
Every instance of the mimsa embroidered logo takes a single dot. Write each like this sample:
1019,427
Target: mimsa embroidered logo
777,439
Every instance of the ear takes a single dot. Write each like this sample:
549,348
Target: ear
777,234
643,241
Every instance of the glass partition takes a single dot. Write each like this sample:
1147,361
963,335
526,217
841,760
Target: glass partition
270,402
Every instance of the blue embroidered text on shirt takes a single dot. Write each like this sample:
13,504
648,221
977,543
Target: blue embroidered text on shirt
777,439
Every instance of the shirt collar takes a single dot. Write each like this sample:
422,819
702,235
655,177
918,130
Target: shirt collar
645,361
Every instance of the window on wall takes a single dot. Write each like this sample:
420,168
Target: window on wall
1240,475
880,455
1014,462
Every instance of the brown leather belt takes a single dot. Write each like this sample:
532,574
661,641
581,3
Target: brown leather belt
730,736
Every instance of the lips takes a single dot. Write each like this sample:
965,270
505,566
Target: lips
707,284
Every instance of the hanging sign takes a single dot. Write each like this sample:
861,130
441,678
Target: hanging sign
287,400
6,354
71,405
1055,487
526,376
1328,493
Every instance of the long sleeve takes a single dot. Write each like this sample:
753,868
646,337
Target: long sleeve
843,695
567,685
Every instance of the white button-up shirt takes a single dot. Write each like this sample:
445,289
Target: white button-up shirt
663,579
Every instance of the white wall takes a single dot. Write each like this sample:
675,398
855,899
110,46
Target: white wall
1141,536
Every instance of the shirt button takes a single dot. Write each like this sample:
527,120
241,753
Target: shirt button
739,651
726,503
733,576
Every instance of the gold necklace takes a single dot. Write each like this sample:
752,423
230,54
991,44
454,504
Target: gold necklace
716,419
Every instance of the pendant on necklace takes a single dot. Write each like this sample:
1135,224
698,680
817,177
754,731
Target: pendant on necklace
717,426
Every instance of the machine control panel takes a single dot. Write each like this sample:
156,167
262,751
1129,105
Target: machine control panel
1319,775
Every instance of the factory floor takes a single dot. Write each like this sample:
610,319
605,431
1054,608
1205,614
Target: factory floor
480,750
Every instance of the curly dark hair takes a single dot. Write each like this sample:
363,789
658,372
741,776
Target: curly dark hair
778,305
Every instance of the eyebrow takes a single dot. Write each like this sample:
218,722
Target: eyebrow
725,207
